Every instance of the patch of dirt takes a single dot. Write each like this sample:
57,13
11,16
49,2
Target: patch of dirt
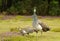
7,34
7,17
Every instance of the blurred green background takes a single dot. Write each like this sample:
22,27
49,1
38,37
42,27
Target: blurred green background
25,7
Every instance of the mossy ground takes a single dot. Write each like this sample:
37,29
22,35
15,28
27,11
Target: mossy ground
24,21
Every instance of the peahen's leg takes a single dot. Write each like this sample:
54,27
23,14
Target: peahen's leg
41,32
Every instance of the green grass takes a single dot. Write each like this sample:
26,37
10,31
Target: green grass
23,21
49,36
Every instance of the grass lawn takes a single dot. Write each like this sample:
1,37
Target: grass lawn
24,21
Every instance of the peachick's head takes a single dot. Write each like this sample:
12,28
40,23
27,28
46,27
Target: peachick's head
46,29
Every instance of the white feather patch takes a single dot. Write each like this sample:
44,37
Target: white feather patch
39,27
24,31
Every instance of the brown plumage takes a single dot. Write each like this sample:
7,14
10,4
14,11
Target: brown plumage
45,28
